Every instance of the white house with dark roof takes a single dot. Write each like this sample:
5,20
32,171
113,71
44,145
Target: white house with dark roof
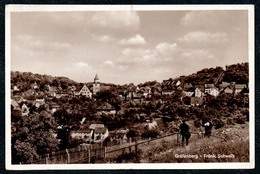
83,133
25,110
100,132
198,92
239,88
85,91
106,108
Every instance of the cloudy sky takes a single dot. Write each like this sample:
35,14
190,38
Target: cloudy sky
127,46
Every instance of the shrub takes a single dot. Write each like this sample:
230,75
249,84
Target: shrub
197,123
230,121
153,133
240,120
218,123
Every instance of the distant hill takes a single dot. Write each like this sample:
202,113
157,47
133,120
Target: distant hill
24,79
238,73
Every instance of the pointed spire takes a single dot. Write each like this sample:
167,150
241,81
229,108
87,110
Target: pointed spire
96,77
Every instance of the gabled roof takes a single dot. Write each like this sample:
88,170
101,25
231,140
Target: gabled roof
106,106
240,86
14,104
93,126
209,86
187,85
100,130
29,92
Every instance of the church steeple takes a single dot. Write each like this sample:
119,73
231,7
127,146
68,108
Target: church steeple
96,85
96,79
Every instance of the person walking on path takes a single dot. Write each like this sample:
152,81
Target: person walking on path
208,126
185,133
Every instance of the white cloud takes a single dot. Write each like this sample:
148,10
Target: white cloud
135,52
116,20
108,62
201,37
83,65
104,38
166,48
197,54
136,40
204,19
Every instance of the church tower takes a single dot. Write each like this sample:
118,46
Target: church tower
96,85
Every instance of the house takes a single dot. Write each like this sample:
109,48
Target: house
18,99
54,107
178,83
156,91
106,108
118,135
228,90
146,92
167,91
196,101
34,86
151,125
51,94
198,92
131,94
15,88
100,132
25,110
94,125
212,91
187,86
15,108
168,87
224,85
245,91
29,93
188,93
85,91
239,88
208,87
61,94
39,102
83,133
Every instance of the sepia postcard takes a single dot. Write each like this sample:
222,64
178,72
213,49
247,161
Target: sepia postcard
129,87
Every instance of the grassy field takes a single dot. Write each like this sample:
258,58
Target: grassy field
228,144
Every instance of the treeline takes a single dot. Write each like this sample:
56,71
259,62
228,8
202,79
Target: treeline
23,80
237,73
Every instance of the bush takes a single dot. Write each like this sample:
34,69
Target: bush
197,123
153,133
218,123
230,121
240,120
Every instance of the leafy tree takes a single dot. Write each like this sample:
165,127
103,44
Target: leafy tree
32,137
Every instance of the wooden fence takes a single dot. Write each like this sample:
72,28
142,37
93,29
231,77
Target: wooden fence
99,152
83,153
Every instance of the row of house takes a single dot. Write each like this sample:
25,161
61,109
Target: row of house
92,134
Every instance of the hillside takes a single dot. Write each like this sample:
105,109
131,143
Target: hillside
237,73
228,144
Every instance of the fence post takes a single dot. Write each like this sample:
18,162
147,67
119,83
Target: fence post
177,139
136,156
89,156
46,160
105,150
68,156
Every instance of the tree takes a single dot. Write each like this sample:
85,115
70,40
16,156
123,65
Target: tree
32,136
